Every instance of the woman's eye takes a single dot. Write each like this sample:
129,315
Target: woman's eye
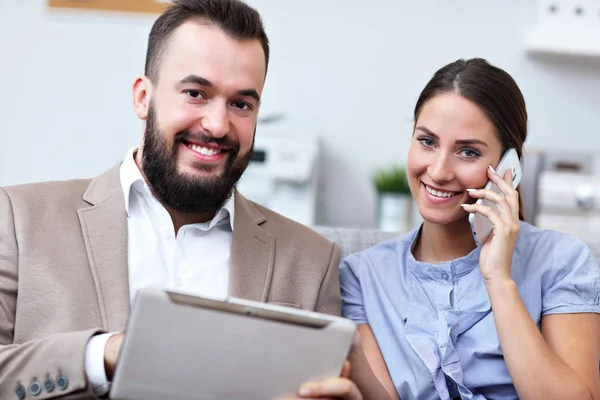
470,153
427,142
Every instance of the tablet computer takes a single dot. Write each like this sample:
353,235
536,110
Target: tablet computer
179,346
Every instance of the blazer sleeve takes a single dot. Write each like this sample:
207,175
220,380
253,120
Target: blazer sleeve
55,362
329,301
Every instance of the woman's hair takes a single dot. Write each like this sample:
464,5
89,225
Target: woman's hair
493,90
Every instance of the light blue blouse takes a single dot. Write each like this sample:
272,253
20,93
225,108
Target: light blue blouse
434,322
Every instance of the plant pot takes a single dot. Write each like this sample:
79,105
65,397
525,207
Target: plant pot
394,212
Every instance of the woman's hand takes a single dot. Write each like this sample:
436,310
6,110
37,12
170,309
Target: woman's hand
495,259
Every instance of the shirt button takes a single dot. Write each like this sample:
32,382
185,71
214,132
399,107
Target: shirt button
443,346
445,276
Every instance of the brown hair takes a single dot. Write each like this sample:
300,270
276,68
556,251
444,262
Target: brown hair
493,90
234,17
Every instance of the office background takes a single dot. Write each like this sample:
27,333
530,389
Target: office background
350,70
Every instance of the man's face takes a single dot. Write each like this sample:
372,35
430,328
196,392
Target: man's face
201,118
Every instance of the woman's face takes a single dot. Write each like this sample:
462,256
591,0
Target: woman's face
453,144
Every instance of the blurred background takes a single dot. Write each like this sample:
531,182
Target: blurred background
343,80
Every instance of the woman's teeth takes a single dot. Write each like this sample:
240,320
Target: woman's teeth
204,150
438,193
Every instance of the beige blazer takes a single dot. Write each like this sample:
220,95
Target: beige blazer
64,277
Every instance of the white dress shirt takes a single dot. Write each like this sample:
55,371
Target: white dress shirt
196,260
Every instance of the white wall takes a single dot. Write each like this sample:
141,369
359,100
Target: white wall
352,69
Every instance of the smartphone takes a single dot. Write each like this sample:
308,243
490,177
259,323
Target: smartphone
480,225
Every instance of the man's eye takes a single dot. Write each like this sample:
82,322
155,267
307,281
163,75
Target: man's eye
195,94
241,105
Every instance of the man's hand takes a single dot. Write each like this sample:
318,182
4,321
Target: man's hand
333,388
340,388
111,354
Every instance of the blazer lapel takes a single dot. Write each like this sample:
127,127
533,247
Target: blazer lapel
104,227
252,253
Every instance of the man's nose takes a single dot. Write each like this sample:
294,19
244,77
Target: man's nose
215,120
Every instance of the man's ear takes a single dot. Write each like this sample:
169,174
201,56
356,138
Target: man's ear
142,91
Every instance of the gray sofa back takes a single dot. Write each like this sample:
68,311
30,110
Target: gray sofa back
352,240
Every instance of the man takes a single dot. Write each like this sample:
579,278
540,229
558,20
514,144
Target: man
73,254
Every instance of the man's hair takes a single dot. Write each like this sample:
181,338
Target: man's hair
234,17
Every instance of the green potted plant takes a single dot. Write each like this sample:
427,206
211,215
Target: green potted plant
394,200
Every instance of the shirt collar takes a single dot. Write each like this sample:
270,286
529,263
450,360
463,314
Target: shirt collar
460,266
131,177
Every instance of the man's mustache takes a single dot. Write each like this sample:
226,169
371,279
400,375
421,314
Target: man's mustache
204,138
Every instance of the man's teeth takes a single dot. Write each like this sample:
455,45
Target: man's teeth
438,193
204,150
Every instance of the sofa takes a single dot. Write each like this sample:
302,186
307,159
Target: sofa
352,240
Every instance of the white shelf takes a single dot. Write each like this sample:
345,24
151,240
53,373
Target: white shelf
566,27
562,40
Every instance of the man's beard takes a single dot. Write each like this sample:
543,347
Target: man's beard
184,192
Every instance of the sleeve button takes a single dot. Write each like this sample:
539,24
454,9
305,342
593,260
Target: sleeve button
35,388
20,392
49,385
62,382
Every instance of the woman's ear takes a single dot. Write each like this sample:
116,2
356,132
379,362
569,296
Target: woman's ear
142,91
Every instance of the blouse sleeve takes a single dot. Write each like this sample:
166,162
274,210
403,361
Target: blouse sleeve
352,298
573,283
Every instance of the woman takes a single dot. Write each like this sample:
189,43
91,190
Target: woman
440,317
